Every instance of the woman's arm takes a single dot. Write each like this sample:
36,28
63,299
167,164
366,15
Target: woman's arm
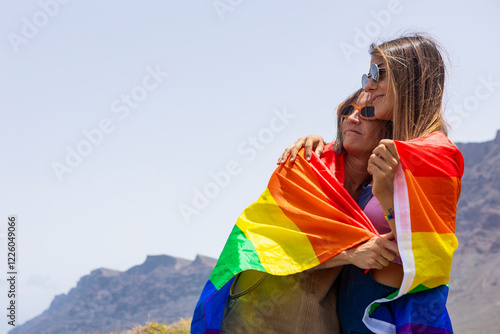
382,165
311,142
376,253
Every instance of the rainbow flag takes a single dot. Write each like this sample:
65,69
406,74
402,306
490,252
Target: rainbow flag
306,216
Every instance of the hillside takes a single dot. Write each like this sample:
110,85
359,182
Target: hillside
163,288
475,280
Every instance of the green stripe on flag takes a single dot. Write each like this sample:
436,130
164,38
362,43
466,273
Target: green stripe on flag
239,254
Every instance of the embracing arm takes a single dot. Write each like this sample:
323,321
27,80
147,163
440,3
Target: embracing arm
311,142
376,253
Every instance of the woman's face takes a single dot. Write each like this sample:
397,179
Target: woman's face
381,91
361,136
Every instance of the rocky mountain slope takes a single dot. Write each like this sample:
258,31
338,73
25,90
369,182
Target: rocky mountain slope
475,279
163,288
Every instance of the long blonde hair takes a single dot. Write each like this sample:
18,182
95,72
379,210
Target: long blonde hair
416,72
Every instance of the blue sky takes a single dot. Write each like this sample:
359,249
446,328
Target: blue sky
139,128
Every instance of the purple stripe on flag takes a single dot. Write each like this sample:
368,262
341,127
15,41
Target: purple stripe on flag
421,329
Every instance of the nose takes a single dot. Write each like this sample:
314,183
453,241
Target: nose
370,86
354,117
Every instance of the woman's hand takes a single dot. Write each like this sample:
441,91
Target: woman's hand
311,142
382,165
376,253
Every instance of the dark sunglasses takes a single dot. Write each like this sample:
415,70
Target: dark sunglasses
365,112
374,75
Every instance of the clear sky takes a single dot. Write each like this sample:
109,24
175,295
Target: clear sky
135,128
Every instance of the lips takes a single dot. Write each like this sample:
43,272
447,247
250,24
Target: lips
376,98
352,130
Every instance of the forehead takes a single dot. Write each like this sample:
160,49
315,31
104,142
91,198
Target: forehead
377,59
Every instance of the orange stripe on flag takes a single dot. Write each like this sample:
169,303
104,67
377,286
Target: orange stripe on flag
432,203
299,194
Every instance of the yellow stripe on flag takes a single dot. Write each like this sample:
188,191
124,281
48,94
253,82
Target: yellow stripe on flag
433,255
282,248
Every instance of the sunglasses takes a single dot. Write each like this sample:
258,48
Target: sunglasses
374,75
365,112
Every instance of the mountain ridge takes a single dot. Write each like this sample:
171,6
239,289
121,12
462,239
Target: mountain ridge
475,276
163,288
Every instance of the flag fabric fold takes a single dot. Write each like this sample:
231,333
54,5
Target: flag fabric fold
426,190
306,216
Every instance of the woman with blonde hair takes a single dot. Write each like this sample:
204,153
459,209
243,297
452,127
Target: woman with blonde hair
409,73
406,85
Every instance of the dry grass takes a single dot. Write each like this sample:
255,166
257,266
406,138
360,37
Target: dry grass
180,327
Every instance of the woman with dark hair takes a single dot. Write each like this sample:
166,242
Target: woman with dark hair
359,132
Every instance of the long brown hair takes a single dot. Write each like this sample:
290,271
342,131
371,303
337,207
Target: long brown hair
385,126
416,73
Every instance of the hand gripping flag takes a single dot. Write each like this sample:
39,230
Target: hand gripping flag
306,216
